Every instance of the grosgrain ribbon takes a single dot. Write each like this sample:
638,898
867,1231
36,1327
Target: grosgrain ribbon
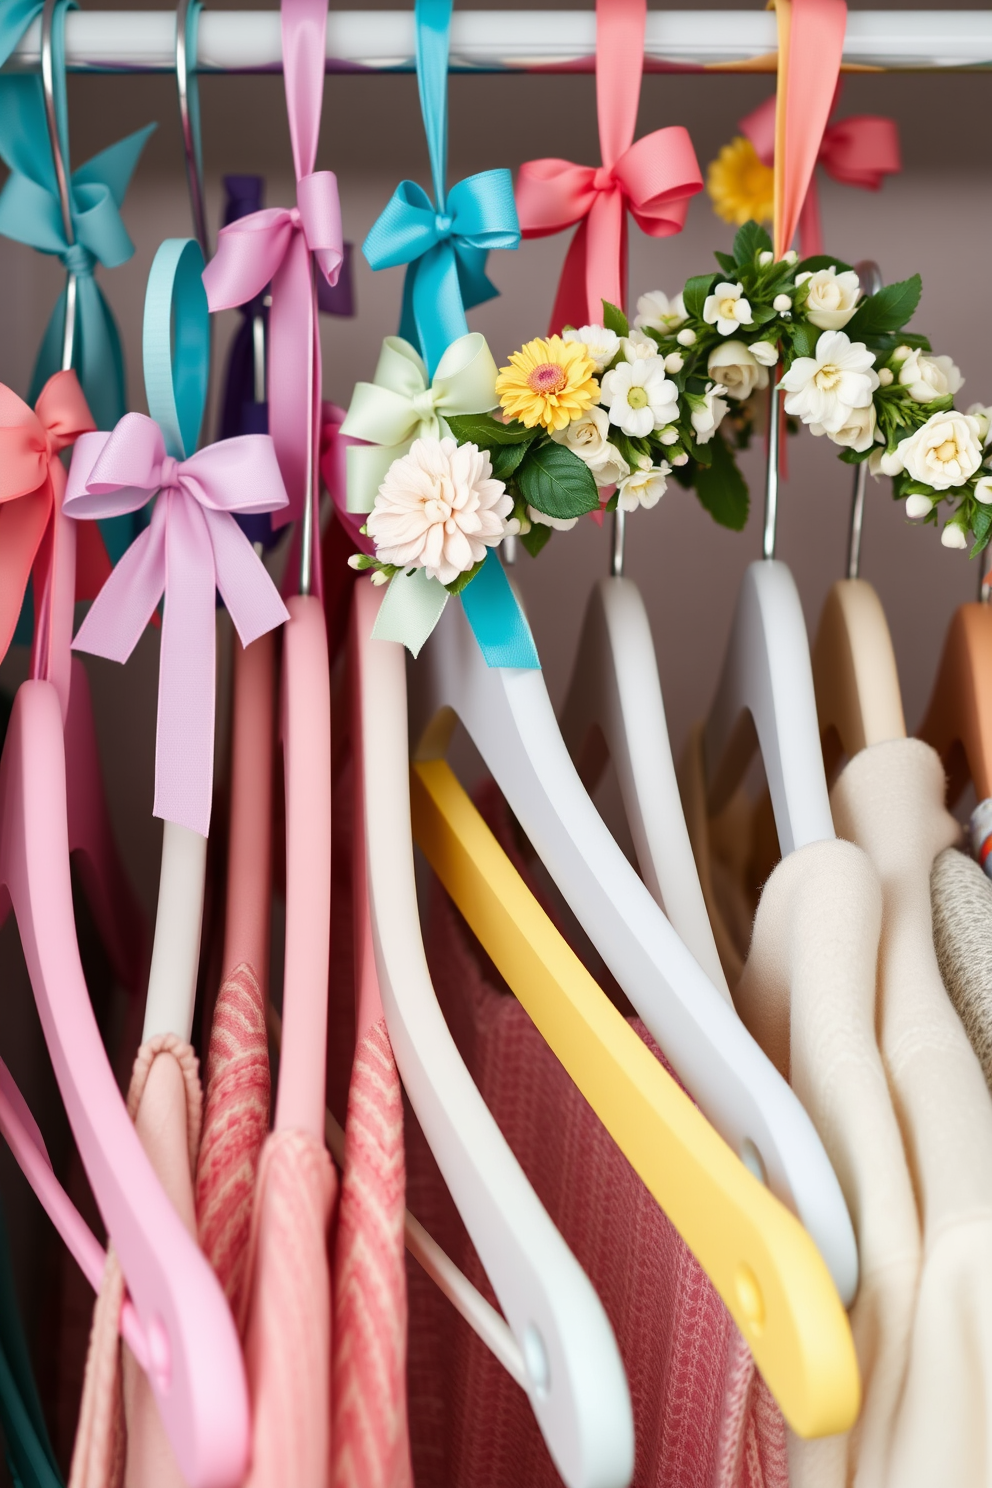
275,245
32,482
652,179
860,150
193,547
810,51
400,405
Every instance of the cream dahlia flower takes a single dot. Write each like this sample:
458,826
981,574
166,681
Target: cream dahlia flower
440,509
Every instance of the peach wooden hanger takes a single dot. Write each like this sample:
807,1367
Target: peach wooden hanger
858,701
958,721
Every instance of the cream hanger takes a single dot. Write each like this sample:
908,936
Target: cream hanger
858,701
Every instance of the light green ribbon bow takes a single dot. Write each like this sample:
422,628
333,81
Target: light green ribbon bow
400,405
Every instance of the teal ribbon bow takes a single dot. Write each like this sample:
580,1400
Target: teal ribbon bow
444,242
30,213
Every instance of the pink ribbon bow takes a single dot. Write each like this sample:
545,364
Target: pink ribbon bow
860,150
274,246
192,547
652,179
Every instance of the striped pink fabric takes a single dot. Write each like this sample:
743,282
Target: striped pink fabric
703,1416
370,1432
287,1323
235,1124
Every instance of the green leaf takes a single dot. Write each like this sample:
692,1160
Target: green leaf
695,292
888,311
981,526
557,482
856,457
535,539
727,262
463,580
615,320
803,337
721,488
762,314
487,432
751,240
506,459
822,261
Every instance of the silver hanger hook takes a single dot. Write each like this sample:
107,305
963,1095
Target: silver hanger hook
771,470
185,63
61,173
870,279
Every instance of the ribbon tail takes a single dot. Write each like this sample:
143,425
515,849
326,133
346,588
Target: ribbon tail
437,303
605,255
126,603
810,225
408,323
22,528
100,361
498,623
290,347
571,301
410,609
245,587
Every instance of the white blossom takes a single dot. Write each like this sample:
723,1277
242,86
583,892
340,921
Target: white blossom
885,377
638,346
928,377
857,432
765,257
918,506
984,417
686,337
640,397
782,303
765,352
656,312
708,412
727,309
674,362
439,508
601,345
953,536
823,389
983,490
831,298
734,365
945,452
643,488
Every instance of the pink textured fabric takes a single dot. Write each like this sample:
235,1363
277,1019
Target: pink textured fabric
120,1436
703,1416
287,1327
370,1432
235,1124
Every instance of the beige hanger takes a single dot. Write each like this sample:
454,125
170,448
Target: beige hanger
858,701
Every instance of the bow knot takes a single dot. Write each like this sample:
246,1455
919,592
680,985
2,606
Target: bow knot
191,548
444,224
78,260
603,178
400,405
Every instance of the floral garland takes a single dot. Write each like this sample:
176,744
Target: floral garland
604,415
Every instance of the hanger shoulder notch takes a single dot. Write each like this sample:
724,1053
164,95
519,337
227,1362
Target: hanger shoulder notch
854,669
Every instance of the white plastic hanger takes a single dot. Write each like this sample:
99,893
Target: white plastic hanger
574,1375
615,690
508,714
183,874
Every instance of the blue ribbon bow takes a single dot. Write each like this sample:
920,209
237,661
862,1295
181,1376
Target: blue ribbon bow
444,242
30,213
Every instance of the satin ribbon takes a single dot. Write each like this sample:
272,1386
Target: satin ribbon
32,482
275,246
860,150
652,179
810,51
193,547
444,241
400,405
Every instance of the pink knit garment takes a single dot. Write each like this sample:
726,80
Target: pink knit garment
235,1124
703,1416
287,1324
370,1433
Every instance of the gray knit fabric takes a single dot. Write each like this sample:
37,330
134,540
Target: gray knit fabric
961,899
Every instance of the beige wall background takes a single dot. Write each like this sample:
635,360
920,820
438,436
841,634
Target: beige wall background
934,218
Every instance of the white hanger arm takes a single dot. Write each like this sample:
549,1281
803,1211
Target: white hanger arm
615,687
576,1382
765,697
176,948
509,716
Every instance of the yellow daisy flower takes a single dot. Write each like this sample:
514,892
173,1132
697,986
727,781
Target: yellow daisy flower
742,186
549,382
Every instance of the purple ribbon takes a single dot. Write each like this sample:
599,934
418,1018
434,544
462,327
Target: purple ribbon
191,548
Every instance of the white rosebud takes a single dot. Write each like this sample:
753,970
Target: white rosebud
831,298
929,377
918,506
601,345
674,362
984,417
765,258
890,463
587,437
790,257
765,352
686,337
740,372
885,377
983,490
708,412
669,435
857,432
901,353
379,578
781,303
680,459
953,537
356,561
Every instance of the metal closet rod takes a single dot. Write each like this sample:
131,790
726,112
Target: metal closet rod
248,41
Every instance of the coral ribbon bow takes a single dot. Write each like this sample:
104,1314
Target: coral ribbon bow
652,179
860,150
32,480
192,547
273,247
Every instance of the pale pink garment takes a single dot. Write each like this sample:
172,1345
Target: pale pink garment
703,1416
120,1439
288,1318
235,1124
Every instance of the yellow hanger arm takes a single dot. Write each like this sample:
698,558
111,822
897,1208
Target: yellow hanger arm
761,1261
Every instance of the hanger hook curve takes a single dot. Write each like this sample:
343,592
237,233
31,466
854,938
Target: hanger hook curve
186,22
60,165
870,279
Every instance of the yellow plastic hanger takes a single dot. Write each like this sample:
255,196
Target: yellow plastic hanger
760,1259
858,701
